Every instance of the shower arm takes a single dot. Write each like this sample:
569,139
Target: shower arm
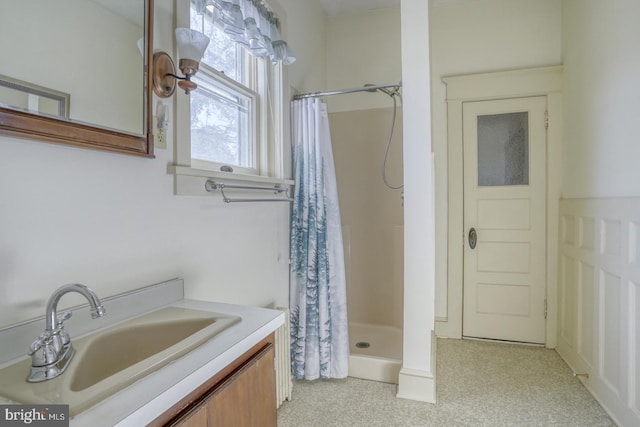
393,92
368,88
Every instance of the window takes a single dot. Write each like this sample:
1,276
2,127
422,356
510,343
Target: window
223,125
230,110
223,109
235,118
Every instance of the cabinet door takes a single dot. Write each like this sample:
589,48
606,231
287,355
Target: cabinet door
262,389
198,418
248,397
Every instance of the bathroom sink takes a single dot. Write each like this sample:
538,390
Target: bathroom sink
114,351
108,360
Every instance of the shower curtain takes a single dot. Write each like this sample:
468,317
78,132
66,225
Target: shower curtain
318,301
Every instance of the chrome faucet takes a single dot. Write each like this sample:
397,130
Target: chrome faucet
52,351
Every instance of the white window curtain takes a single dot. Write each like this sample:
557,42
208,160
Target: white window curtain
251,23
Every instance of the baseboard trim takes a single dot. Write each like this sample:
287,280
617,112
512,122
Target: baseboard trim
447,329
417,385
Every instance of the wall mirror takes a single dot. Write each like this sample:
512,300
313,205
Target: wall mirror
93,55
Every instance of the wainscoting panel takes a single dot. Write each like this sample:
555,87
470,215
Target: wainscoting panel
599,300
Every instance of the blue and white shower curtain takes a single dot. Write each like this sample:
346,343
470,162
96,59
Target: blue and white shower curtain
318,302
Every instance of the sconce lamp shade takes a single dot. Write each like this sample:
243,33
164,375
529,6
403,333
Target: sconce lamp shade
191,47
191,44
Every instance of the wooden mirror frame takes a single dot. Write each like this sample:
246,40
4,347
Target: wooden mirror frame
21,124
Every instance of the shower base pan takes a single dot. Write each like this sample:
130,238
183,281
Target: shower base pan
375,352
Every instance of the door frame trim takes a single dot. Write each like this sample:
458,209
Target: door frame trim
545,81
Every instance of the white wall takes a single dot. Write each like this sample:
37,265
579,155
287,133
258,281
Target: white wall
480,36
363,48
112,222
599,294
602,91
305,33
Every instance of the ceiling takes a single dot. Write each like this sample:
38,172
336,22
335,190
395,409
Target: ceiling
343,7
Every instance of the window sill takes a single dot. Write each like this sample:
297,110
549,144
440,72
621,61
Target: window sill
191,182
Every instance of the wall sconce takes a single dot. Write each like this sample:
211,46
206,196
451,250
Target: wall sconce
191,47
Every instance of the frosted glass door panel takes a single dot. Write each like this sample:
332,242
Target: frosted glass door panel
503,149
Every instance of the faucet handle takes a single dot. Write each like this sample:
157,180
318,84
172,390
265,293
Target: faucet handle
42,351
65,316
39,342
61,336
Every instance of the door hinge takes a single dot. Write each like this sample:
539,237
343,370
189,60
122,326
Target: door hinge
546,119
545,309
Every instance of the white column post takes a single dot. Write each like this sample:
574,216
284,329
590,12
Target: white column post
417,376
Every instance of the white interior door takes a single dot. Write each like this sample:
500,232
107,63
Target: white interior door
504,218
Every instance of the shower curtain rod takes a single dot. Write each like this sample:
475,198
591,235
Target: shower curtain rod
371,88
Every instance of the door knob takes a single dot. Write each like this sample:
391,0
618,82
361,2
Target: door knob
473,238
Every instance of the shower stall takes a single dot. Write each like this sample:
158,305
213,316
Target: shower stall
367,151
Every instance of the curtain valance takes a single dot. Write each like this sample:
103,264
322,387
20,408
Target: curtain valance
251,23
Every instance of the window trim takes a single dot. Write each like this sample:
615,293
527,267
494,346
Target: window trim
274,139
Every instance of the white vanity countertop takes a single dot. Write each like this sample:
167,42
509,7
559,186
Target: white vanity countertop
143,401
147,398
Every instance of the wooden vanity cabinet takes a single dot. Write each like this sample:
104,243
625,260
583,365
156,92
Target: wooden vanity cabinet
242,394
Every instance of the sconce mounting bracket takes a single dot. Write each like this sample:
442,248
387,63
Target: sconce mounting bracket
164,82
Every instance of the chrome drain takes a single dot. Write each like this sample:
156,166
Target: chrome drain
363,344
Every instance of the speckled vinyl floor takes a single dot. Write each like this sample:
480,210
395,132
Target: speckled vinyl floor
478,384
